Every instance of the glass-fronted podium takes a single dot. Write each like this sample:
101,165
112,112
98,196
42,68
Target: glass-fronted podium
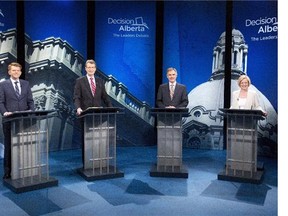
241,151
169,143
100,143
29,151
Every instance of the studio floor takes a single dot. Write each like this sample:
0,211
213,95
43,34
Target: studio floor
137,193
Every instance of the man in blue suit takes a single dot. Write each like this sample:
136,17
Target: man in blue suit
15,95
172,94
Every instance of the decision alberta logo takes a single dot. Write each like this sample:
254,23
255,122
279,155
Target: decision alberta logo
129,27
266,27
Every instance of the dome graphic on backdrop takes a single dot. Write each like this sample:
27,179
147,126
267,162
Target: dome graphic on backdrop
204,127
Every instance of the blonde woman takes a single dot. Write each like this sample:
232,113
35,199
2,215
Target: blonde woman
244,98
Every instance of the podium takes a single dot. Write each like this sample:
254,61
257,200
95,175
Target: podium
100,143
29,151
169,143
241,152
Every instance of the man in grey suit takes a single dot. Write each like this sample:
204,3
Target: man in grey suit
89,91
15,95
172,94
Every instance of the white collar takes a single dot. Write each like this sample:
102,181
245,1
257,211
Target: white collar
13,81
90,77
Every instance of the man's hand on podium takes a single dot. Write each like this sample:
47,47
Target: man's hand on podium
79,111
7,113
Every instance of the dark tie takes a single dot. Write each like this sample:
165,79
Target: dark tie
17,89
93,87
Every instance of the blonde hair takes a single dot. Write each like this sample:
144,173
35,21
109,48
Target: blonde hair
242,77
15,64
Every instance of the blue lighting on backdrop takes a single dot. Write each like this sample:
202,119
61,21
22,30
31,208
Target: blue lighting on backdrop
190,36
125,38
64,19
262,65
125,45
7,17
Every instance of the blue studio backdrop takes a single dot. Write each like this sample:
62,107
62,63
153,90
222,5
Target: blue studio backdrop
64,19
56,47
125,45
193,44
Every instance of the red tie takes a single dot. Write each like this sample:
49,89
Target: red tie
93,87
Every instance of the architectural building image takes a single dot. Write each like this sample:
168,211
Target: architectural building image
52,66
204,127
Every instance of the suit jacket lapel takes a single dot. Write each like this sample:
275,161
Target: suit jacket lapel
11,87
21,89
175,89
168,90
87,86
249,99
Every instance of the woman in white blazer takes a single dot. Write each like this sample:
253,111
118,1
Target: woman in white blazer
244,98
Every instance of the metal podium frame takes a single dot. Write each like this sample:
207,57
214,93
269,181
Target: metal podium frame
29,151
100,143
169,143
241,150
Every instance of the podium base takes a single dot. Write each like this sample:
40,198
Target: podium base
167,171
255,179
89,175
29,183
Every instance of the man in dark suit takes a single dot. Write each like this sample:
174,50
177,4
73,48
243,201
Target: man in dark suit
89,91
15,95
172,94
83,92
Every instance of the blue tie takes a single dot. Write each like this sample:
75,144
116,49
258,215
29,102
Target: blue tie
17,89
